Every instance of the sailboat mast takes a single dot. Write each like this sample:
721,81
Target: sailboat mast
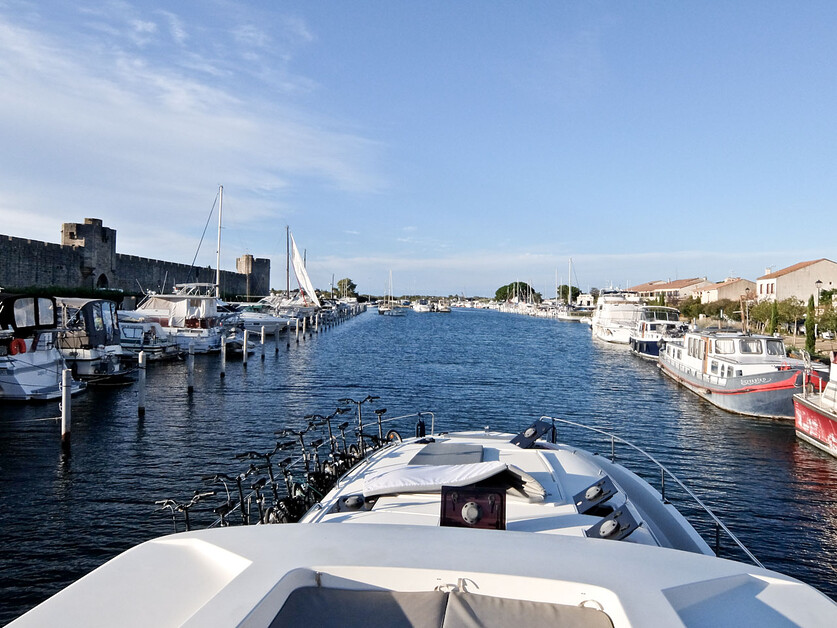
569,283
287,262
218,252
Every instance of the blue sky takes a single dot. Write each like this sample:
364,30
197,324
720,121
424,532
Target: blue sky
463,145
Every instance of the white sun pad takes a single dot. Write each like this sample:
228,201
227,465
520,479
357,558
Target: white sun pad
431,478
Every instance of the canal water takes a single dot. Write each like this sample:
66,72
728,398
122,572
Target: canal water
59,519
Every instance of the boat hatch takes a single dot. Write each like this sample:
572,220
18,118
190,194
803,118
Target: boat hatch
447,454
360,608
597,493
616,526
473,507
431,479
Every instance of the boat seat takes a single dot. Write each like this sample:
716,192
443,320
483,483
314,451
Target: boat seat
361,608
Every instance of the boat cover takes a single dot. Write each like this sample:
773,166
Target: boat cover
347,608
431,479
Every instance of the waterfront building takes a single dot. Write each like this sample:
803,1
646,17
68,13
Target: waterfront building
802,281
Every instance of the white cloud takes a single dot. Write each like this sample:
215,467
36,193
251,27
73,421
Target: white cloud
143,145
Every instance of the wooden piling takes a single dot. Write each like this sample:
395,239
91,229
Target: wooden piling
223,356
244,348
66,409
190,369
141,361
264,339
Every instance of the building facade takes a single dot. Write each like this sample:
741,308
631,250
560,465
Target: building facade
732,288
87,258
673,291
799,281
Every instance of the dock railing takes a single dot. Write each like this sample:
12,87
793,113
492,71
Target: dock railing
719,525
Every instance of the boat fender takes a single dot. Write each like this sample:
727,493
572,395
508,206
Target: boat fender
18,345
421,430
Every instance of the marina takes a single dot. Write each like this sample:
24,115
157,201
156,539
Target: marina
507,370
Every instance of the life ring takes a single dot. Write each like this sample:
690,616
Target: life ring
18,345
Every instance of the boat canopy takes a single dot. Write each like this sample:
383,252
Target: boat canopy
23,313
88,322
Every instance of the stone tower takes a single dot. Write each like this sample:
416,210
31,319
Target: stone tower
98,250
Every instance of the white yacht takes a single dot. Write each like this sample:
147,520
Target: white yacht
421,305
190,316
461,529
615,316
31,365
148,337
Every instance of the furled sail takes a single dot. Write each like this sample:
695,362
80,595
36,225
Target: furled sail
302,278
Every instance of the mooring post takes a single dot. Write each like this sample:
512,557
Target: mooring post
244,349
190,369
297,330
304,325
141,359
317,323
264,339
223,357
276,340
66,409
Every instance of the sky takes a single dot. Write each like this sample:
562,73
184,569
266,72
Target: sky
461,145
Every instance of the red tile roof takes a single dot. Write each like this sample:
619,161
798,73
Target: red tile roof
653,286
792,269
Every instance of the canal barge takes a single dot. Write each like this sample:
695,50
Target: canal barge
469,528
815,414
742,373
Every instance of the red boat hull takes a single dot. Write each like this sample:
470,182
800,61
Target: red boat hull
815,425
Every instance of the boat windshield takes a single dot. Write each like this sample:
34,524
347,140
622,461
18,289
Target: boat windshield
750,345
775,347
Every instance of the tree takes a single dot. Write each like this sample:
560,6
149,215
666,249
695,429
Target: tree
691,308
760,313
773,322
810,334
519,289
562,292
346,288
790,311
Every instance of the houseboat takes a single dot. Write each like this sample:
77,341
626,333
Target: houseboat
815,413
742,373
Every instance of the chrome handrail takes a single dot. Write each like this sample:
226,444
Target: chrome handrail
664,470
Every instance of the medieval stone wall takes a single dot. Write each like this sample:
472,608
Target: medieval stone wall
88,259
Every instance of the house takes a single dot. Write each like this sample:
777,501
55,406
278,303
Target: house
732,288
672,290
801,280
